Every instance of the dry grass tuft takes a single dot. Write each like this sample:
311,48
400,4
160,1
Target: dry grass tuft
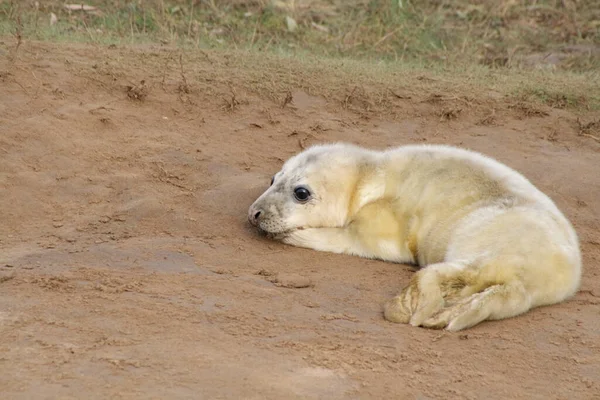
590,129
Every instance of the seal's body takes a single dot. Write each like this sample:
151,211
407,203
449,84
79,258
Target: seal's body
492,245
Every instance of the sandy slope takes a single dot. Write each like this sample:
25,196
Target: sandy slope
127,269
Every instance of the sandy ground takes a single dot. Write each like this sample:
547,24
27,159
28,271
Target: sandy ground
128,270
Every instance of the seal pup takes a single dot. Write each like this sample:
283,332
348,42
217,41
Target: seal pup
489,243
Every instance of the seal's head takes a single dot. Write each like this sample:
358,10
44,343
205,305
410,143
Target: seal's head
314,189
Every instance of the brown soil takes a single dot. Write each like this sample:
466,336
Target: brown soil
127,268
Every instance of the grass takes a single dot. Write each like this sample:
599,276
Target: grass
497,33
545,50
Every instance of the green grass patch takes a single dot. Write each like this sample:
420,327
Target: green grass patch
496,33
543,51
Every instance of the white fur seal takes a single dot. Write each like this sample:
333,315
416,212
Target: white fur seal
492,245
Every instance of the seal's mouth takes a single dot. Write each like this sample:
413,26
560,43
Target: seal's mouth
277,235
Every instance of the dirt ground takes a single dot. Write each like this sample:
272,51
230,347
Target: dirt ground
128,269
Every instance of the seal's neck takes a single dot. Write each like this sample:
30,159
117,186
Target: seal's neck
369,187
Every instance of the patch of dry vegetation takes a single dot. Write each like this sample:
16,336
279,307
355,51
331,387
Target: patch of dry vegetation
534,51
562,33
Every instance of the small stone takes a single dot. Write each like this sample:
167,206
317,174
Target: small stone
291,23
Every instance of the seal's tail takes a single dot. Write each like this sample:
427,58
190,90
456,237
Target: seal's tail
495,302
455,296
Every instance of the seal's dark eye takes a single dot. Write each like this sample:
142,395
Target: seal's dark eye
301,194
272,180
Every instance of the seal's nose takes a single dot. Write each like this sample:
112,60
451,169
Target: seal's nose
254,216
